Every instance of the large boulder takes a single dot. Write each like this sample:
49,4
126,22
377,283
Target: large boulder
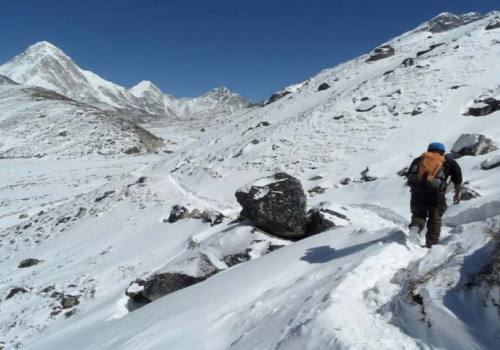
483,106
472,145
275,204
381,52
494,24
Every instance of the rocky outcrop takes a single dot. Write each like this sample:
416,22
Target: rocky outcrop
178,212
448,21
432,47
276,96
472,145
380,53
275,204
408,62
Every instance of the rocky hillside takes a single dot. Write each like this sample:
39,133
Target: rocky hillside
35,122
45,65
284,228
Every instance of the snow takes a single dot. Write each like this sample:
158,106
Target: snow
362,285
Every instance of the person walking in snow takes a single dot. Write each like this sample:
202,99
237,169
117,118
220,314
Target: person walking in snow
427,177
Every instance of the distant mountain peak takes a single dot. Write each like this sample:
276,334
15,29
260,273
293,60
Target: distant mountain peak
143,87
44,48
447,21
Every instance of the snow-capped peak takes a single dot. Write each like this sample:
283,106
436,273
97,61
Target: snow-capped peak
143,87
446,21
44,47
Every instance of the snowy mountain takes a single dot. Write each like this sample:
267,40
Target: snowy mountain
45,65
81,240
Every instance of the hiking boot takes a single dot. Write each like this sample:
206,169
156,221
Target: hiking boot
414,234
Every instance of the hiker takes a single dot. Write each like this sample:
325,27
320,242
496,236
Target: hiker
427,177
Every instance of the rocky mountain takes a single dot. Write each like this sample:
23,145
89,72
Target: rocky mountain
45,65
156,252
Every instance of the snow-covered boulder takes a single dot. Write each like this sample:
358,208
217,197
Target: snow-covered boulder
472,145
491,163
365,105
323,86
381,52
275,204
178,212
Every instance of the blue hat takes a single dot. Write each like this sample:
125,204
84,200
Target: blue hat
437,147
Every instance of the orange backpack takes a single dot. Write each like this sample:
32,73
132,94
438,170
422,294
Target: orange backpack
428,172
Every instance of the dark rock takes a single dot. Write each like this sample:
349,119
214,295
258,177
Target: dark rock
23,216
68,301
483,107
264,123
211,216
388,72
408,62
28,263
455,87
15,291
316,190
104,196
236,259
403,172
432,47
345,181
56,294
323,86
472,145
468,193
63,133
381,52
494,24
70,313
273,247
318,222
160,284
316,178
491,163
56,312
276,204
177,213
338,117
132,150
276,96
365,177
48,289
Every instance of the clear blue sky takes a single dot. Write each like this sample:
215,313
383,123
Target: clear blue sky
187,47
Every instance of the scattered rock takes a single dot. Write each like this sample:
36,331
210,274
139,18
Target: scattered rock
81,212
365,105
63,220
276,96
365,177
23,216
318,221
432,47
275,204
316,190
15,291
70,313
494,24
211,216
105,195
178,212
345,181
338,117
468,193
388,72
264,123
323,86
408,62
132,150
316,178
63,133
483,106
491,163
419,108
381,52
28,263
472,145
68,301
48,289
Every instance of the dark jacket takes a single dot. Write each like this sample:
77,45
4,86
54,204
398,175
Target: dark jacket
451,170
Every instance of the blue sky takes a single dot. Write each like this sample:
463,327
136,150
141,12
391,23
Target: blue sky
189,47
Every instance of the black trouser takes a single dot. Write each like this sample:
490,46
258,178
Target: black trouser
428,208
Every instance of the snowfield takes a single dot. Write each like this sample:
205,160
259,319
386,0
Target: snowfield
96,224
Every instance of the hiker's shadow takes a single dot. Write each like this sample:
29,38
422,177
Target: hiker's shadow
322,254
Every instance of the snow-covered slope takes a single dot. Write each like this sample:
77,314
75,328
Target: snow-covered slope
360,286
45,65
35,122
